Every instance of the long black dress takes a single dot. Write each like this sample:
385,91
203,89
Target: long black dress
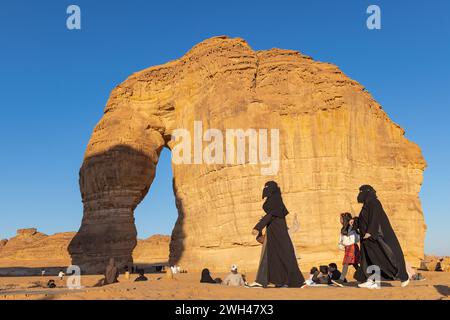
278,264
382,248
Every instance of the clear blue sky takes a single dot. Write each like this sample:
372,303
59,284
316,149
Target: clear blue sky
54,84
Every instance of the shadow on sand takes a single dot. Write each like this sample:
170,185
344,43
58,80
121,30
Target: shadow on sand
443,290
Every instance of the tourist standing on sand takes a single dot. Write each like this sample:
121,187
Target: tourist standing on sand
379,244
278,264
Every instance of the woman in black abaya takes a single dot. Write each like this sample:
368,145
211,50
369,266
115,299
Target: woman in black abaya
379,244
278,264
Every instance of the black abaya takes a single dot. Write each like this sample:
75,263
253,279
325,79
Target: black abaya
206,277
278,264
382,248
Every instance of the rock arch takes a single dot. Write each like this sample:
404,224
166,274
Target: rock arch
333,138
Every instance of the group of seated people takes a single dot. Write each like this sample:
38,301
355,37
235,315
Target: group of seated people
330,275
325,275
112,274
233,279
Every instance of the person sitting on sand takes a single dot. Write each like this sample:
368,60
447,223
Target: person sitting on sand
234,279
439,265
312,275
61,275
141,277
206,277
51,284
111,273
318,277
333,273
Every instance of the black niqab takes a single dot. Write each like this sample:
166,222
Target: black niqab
366,192
382,248
274,203
206,277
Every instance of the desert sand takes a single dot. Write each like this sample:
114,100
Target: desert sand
187,286
24,256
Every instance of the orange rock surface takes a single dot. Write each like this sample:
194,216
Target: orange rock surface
334,137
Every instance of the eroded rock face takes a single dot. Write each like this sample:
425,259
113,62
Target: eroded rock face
334,137
3,243
35,247
154,249
433,263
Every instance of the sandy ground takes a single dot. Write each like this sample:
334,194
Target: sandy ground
187,286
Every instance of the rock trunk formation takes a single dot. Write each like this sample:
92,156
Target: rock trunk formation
334,137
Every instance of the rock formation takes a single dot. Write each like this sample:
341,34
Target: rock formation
433,263
30,248
33,248
155,249
3,243
334,137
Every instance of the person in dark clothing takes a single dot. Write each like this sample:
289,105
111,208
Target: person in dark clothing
333,273
379,244
439,265
51,284
320,276
313,274
141,277
206,277
111,273
278,264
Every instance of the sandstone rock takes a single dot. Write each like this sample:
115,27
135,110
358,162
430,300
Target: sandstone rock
3,243
152,250
26,233
31,245
433,263
445,264
334,137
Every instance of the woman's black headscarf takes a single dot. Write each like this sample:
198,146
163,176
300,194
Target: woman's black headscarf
206,277
274,203
366,192
346,217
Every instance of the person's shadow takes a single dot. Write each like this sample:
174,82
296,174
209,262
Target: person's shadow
443,290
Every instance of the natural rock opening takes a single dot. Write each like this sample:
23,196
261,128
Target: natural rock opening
156,215
334,137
